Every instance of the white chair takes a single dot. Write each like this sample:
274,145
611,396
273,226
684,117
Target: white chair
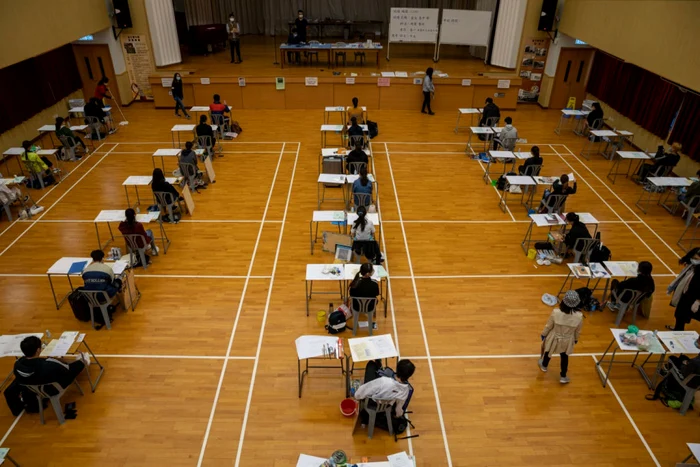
354,167
95,127
583,249
372,408
132,244
165,202
553,204
508,144
69,146
357,141
627,300
205,142
221,122
361,199
531,170
361,306
41,394
684,381
98,299
690,206
189,171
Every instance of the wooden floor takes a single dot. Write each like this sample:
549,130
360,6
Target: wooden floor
203,372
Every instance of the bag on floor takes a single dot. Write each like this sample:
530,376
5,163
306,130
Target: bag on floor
236,128
601,252
336,322
372,129
79,305
646,305
585,295
543,246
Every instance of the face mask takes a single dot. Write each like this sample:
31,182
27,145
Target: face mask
301,16
232,19
178,78
695,262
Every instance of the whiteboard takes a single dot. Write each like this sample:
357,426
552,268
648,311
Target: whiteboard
413,25
465,27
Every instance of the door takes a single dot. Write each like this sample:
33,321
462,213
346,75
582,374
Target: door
570,78
94,61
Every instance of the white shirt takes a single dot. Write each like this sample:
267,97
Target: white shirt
428,84
363,235
384,389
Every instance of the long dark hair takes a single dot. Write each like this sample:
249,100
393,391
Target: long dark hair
429,72
572,217
175,78
364,180
130,217
361,220
158,177
365,269
59,122
355,101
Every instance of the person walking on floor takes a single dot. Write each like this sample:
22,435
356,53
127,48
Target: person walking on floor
561,332
685,291
176,89
428,91
234,38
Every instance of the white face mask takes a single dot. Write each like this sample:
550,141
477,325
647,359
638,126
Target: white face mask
177,79
695,261
301,16
232,19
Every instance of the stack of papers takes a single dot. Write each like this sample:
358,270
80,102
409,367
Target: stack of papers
598,271
581,271
388,74
318,346
9,344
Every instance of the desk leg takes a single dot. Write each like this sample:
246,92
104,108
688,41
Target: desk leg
308,297
557,130
487,176
615,164
311,236
563,286
93,359
639,201
528,238
503,199
166,240
7,456
282,58
53,291
612,359
99,242
301,374
469,143
459,114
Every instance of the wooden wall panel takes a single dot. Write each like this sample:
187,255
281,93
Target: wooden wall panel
509,101
262,96
452,97
300,96
400,96
229,92
368,94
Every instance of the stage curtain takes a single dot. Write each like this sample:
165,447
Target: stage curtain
687,126
603,76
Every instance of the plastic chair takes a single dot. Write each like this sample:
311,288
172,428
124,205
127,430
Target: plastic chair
597,124
207,144
508,144
690,205
684,381
373,407
189,171
220,121
132,244
553,204
357,141
360,306
531,170
312,53
342,53
583,249
354,167
41,394
361,199
95,127
98,299
165,201
69,146
633,299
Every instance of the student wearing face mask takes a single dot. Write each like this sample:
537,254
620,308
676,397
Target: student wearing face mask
234,33
300,23
176,89
685,291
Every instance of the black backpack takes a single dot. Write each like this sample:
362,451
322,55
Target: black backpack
600,252
373,129
79,305
501,183
336,322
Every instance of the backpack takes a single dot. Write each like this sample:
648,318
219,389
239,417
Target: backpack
372,129
79,305
588,303
600,252
501,183
336,322
235,127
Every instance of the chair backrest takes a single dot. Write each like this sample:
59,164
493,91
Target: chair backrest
67,141
164,198
40,389
354,167
692,203
509,143
661,171
190,172
96,298
532,170
583,248
597,124
204,142
554,203
683,380
92,121
357,141
220,120
492,121
362,305
362,199
135,242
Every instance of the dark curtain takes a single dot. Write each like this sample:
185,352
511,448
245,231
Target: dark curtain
30,86
636,93
687,126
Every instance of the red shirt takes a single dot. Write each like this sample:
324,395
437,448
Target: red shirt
136,229
100,91
218,108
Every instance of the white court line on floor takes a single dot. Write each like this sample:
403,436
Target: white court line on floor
158,276
150,153
498,276
238,312
186,221
264,317
524,221
578,175
390,295
170,143
58,200
629,417
623,203
175,357
420,314
463,153
12,427
479,357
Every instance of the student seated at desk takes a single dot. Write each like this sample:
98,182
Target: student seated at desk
383,385
363,242
510,133
131,226
362,286
188,156
293,39
595,117
489,111
356,155
32,369
100,276
535,159
37,166
160,185
363,186
692,190
669,386
355,111
577,230
204,129
669,159
217,108
93,108
64,130
643,283
355,130
559,187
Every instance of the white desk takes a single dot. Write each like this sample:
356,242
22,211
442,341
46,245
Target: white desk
504,156
177,129
117,215
335,217
331,179
80,110
521,155
571,116
591,143
468,111
317,348
480,130
5,452
315,273
54,154
163,153
379,347
631,156
691,242
50,129
197,109
694,449
16,153
622,268
659,185
540,220
521,181
339,152
62,268
655,348
142,180
12,181
325,129
331,110
585,218
586,272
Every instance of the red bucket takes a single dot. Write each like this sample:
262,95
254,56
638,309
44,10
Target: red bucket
348,407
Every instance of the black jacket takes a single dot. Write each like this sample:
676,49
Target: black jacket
366,288
204,129
578,230
642,283
177,88
167,187
490,110
593,116
94,110
356,155
42,371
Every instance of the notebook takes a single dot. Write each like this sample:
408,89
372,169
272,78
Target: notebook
77,267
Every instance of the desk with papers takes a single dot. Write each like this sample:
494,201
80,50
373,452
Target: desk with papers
343,274
321,348
111,215
540,220
577,116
